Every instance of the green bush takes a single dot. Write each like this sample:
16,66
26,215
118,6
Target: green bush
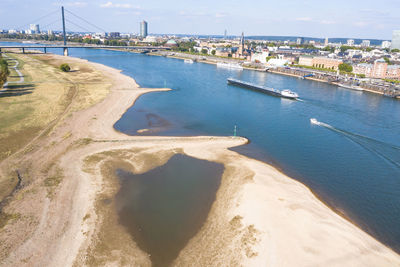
4,72
65,67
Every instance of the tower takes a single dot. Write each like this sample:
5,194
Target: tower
143,29
241,45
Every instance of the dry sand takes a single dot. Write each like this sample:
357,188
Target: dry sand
260,217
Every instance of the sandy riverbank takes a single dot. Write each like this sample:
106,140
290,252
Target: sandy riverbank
260,217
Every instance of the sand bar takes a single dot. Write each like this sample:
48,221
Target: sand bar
260,217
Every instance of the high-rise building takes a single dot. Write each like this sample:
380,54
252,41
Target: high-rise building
300,40
396,39
34,28
326,41
350,42
143,29
365,43
386,44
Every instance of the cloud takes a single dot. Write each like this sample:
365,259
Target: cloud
116,5
74,4
192,14
221,15
304,19
360,23
328,22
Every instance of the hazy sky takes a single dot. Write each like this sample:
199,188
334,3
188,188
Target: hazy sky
311,18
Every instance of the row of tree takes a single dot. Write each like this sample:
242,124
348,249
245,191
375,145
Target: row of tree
4,71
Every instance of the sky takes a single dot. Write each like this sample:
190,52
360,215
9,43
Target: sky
365,19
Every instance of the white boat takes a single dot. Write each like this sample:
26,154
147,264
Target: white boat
314,121
188,61
289,94
352,87
234,66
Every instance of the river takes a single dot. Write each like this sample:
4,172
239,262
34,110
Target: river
351,162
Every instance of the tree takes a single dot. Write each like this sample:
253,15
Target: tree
387,61
344,48
4,72
204,51
65,67
345,67
395,50
213,52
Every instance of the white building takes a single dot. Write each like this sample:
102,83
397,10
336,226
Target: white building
365,43
277,62
34,28
386,44
260,57
350,42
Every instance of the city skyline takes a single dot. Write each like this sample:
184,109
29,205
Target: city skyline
208,18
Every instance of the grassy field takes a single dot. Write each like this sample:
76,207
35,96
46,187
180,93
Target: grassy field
34,108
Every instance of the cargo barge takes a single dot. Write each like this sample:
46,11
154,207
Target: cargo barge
271,91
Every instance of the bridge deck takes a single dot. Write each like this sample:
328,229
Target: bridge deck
82,46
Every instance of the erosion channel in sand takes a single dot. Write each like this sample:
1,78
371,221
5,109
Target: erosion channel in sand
259,217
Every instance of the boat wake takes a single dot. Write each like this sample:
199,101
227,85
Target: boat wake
386,151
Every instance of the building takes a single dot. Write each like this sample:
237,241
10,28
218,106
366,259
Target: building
305,60
396,39
114,34
386,44
326,43
171,43
34,28
380,69
320,62
300,41
365,43
350,42
143,29
260,57
393,72
49,32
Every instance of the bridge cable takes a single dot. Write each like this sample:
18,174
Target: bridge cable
51,23
37,20
85,20
78,26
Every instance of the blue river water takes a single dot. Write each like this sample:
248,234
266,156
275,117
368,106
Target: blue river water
352,162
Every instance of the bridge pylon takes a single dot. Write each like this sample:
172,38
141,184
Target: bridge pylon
64,35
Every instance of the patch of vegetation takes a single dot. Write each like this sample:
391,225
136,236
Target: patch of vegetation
392,81
53,181
6,217
65,67
345,67
4,72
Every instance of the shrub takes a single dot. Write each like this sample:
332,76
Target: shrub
4,72
65,67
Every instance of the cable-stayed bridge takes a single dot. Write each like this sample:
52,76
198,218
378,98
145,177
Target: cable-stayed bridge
82,24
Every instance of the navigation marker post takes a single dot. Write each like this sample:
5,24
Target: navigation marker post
234,131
